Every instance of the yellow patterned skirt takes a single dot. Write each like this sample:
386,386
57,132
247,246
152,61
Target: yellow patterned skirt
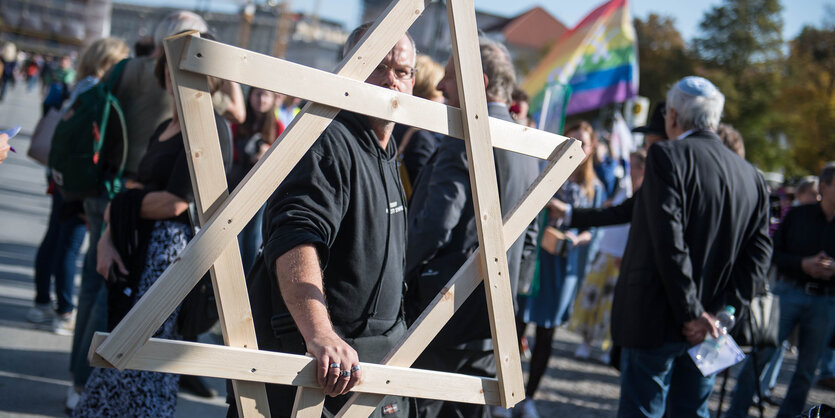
593,307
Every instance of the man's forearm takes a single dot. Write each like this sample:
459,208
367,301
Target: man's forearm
300,281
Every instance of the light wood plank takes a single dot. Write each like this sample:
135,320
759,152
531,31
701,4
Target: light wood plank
309,403
225,212
562,162
208,177
181,357
173,285
258,70
493,260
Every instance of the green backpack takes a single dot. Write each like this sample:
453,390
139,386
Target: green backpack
90,144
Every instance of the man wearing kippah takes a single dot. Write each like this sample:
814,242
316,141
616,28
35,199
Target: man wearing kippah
699,236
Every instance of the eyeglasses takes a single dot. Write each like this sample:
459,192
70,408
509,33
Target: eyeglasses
402,73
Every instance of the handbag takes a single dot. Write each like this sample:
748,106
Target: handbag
759,324
198,311
553,241
41,141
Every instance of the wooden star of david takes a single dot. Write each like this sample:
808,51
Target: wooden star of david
190,60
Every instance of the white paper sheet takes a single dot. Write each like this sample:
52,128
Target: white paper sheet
729,354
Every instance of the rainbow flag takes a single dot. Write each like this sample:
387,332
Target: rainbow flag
597,58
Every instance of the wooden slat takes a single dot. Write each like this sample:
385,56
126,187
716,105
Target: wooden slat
493,260
258,70
173,285
562,162
208,177
316,117
181,357
309,403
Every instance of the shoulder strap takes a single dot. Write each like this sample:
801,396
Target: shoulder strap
116,74
116,185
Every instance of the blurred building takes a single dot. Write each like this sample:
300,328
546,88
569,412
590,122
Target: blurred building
313,42
53,26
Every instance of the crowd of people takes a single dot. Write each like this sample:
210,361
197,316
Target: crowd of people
636,253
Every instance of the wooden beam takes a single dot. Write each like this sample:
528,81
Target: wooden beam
562,162
493,260
173,285
193,102
309,403
258,70
227,216
181,357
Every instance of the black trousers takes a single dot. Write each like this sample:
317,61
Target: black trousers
470,362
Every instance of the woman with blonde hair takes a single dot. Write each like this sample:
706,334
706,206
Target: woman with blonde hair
100,56
58,252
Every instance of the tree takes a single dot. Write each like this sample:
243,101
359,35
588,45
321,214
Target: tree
663,57
807,100
740,32
741,52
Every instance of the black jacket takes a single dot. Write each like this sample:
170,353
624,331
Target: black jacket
442,230
613,215
698,239
345,197
804,232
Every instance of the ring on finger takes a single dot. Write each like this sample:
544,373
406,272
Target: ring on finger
355,369
336,366
345,373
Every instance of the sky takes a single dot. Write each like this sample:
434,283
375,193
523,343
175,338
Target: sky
686,13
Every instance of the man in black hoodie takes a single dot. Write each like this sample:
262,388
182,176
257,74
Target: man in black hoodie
334,242
442,235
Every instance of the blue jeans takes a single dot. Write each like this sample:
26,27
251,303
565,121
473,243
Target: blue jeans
57,256
663,378
92,298
827,364
815,318
769,375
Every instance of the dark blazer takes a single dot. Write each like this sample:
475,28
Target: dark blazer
699,237
442,232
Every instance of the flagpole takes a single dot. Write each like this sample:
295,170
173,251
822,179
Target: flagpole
543,114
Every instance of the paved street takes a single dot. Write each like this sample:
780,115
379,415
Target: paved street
34,362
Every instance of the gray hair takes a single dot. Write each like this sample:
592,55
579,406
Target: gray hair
696,109
828,173
356,35
497,66
805,184
177,22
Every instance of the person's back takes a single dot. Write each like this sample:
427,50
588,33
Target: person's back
145,105
720,202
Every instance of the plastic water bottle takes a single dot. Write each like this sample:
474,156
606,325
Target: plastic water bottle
709,349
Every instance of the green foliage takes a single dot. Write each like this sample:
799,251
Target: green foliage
663,56
807,101
740,51
740,32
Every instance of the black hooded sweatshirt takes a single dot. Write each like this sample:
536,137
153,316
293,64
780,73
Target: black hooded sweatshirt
345,197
